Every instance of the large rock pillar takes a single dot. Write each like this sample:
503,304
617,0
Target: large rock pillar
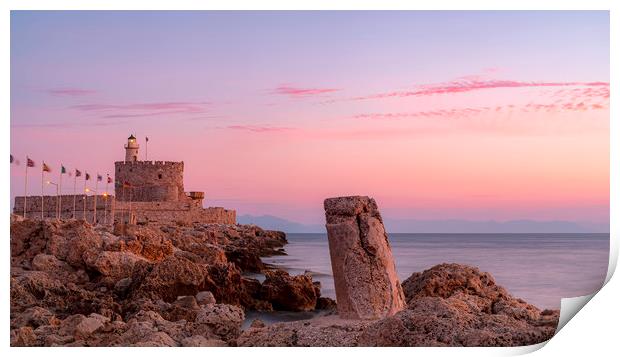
367,286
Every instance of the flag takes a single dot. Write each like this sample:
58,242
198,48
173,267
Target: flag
147,139
11,158
99,177
78,173
46,168
30,163
62,169
86,176
109,179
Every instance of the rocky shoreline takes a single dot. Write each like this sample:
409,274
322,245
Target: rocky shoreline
184,285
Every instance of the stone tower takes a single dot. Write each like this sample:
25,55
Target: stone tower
150,181
131,149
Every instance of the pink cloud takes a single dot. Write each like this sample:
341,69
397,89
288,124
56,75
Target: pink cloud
296,92
70,92
138,110
258,129
467,112
472,83
445,113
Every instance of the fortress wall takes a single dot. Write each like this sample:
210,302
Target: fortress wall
33,207
173,212
110,209
151,181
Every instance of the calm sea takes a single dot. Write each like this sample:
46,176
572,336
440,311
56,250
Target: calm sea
539,268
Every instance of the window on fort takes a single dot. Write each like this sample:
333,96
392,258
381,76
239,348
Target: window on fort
159,176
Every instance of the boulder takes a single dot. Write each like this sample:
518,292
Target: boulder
201,341
205,298
172,277
367,286
449,305
34,317
23,337
115,265
290,293
222,320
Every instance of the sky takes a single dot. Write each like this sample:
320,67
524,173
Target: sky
476,115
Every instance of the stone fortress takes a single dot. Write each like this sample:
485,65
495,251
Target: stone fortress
145,191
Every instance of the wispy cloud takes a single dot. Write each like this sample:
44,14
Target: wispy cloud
296,92
138,110
559,106
259,129
70,92
65,125
441,113
471,84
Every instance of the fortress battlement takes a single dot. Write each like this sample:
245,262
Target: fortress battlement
148,163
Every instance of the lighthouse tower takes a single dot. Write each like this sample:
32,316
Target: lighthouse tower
131,149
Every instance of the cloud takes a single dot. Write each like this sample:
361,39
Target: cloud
66,125
259,129
559,106
295,92
471,83
443,113
139,110
70,92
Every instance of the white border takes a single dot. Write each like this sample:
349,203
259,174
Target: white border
591,330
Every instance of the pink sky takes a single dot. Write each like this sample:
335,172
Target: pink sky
485,137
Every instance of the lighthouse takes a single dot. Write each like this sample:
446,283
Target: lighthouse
131,149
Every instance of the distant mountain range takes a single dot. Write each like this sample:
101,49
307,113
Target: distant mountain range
438,226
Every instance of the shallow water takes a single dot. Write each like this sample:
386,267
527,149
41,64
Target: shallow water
539,268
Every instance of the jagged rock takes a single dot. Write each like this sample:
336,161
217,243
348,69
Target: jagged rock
449,305
223,320
325,303
173,277
121,286
89,325
75,285
367,286
70,240
147,242
34,317
205,298
185,308
115,265
55,267
23,337
318,332
201,341
291,293
257,323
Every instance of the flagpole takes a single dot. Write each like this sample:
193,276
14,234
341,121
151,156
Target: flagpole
26,186
146,152
43,163
84,206
125,199
113,208
74,194
59,196
129,218
95,200
105,201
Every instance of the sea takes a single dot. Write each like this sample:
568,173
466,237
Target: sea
539,268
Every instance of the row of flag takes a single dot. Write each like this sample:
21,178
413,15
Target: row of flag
46,168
